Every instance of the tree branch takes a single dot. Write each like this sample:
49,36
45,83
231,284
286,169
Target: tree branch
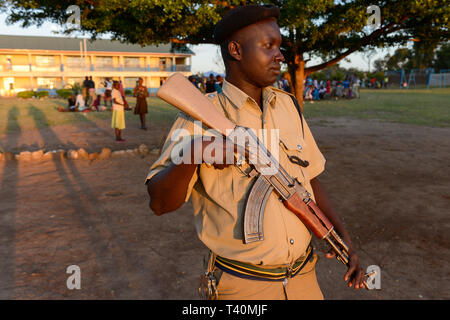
364,41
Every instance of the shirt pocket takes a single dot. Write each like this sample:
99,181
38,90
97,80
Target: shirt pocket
293,150
233,184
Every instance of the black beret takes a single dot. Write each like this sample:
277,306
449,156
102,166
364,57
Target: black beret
241,17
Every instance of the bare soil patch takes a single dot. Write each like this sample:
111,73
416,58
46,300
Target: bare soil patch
390,183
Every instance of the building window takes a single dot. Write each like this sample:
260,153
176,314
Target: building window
162,64
73,81
132,62
162,80
74,61
47,83
130,82
104,61
44,61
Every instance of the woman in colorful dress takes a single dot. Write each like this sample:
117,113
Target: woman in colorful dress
118,116
141,94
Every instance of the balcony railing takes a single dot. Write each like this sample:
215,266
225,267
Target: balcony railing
106,68
182,67
17,68
49,68
72,67
75,67
130,68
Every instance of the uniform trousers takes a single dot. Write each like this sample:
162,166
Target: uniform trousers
302,286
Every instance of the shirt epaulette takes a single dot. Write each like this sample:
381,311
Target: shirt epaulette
185,116
282,91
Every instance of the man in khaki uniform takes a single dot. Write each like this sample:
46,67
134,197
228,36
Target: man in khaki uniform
282,265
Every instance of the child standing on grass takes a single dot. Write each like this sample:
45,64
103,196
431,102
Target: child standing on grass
118,116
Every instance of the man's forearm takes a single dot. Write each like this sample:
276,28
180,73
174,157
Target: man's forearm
168,188
324,203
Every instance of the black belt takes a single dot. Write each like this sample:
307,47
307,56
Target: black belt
250,271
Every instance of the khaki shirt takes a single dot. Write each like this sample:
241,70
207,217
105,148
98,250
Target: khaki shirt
219,196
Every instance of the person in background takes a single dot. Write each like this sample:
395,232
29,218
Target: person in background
91,88
118,115
328,87
219,83
322,92
339,90
108,90
210,84
96,103
315,93
141,94
79,103
285,84
346,84
71,102
85,89
70,105
308,93
75,104
122,92
193,81
355,87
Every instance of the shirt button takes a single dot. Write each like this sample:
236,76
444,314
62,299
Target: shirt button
299,147
291,241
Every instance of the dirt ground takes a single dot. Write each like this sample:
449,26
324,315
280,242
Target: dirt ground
390,183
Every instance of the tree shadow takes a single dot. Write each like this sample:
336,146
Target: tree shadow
114,255
8,209
41,122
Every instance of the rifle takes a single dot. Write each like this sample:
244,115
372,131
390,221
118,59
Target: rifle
179,92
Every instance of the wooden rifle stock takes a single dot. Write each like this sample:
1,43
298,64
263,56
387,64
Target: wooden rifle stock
314,219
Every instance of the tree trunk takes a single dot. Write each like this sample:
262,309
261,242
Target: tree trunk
297,73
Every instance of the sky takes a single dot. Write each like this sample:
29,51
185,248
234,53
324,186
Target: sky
207,56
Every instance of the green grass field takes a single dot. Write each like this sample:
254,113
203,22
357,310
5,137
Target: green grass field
420,107
22,115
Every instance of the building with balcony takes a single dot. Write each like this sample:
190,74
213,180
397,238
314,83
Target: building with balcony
50,63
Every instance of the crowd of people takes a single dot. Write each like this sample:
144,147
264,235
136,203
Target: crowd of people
207,85
316,90
113,99
332,89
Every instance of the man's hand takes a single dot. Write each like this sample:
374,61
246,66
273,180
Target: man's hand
221,161
355,275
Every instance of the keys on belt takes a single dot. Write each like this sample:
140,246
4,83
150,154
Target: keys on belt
207,288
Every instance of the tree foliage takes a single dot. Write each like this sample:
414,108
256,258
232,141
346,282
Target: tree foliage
329,29
418,57
442,60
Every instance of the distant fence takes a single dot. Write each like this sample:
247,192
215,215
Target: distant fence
440,80
418,77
